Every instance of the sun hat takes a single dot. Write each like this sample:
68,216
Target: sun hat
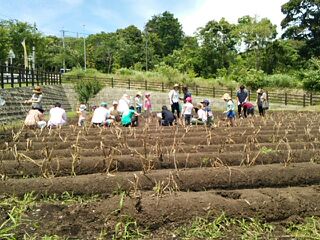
200,105
37,89
226,96
188,99
147,94
103,104
139,94
114,103
82,107
176,85
259,90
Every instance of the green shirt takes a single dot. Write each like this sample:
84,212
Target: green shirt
126,118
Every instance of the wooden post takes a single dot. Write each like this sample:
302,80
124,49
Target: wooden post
231,93
285,98
146,85
27,76
12,77
32,77
112,82
2,76
60,78
19,77
249,94
304,100
162,87
129,84
213,92
311,99
196,90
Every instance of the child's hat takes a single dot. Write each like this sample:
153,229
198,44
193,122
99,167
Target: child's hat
206,101
188,99
114,103
82,107
176,85
139,94
259,90
147,94
226,96
37,89
103,104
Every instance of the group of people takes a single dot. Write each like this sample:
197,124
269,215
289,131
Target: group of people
126,111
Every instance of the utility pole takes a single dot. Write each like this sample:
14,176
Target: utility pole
63,46
147,50
33,57
84,50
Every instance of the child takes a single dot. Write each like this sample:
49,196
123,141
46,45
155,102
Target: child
82,114
138,102
202,116
147,104
187,110
208,112
249,107
230,109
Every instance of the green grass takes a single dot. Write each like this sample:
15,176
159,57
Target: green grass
309,229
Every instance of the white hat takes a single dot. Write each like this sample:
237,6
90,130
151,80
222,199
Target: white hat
226,96
114,102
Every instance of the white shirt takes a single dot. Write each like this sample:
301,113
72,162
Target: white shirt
202,115
173,96
123,105
187,108
57,117
100,115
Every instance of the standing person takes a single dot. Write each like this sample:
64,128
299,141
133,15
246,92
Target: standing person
249,107
230,109
130,118
82,114
147,103
36,98
242,96
58,116
100,115
167,117
35,118
262,101
124,104
138,102
187,110
186,93
208,111
174,100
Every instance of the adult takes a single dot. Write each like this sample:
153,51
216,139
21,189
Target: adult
36,98
35,118
167,117
130,118
202,116
262,101
100,115
124,104
174,100
58,116
242,97
186,93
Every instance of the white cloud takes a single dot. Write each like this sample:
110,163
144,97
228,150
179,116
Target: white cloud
207,10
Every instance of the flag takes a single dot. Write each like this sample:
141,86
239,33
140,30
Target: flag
25,53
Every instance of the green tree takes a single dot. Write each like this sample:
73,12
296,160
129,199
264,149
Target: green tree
302,22
4,44
169,33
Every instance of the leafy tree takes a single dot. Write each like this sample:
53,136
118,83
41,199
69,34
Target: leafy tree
168,31
302,22
4,44
87,89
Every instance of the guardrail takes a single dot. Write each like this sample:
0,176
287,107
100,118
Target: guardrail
11,76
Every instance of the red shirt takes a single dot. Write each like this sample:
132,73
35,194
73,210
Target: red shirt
248,105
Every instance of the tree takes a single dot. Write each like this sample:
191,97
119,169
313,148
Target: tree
169,32
302,22
4,44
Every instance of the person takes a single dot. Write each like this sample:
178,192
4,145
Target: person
130,118
82,113
187,110
58,116
186,93
242,96
208,111
114,113
35,118
36,99
202,116
230,112
100,115
124,103
249,107
262,101
147,103
138,102
174,100
167,117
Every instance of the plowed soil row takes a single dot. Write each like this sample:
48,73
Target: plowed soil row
89,165
274,175
87,220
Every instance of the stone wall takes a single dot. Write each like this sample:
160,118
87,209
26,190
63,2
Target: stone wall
16,109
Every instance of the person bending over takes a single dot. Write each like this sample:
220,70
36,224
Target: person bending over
130,118
58,116
167,117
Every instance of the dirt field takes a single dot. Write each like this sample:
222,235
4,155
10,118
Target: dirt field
92,183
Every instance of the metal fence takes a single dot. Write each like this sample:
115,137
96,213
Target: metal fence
11,77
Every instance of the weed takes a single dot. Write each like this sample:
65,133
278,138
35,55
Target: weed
127,228
310,229
254,229
264,150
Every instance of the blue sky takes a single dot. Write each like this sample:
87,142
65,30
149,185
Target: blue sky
108,15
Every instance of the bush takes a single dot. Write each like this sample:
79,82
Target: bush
282,81
311,80
254,79
87,89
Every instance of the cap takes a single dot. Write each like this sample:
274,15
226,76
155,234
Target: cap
206,101
188,99
103,104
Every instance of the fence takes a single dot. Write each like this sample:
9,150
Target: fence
11,77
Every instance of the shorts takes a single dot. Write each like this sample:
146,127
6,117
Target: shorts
231,114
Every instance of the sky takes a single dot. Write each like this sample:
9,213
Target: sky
94,16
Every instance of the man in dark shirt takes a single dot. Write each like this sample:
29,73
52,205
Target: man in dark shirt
167,117
242,97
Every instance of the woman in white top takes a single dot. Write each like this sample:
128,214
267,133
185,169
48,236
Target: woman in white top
124,103
174,100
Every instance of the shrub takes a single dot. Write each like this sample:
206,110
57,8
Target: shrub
282,81
311,80
87,89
